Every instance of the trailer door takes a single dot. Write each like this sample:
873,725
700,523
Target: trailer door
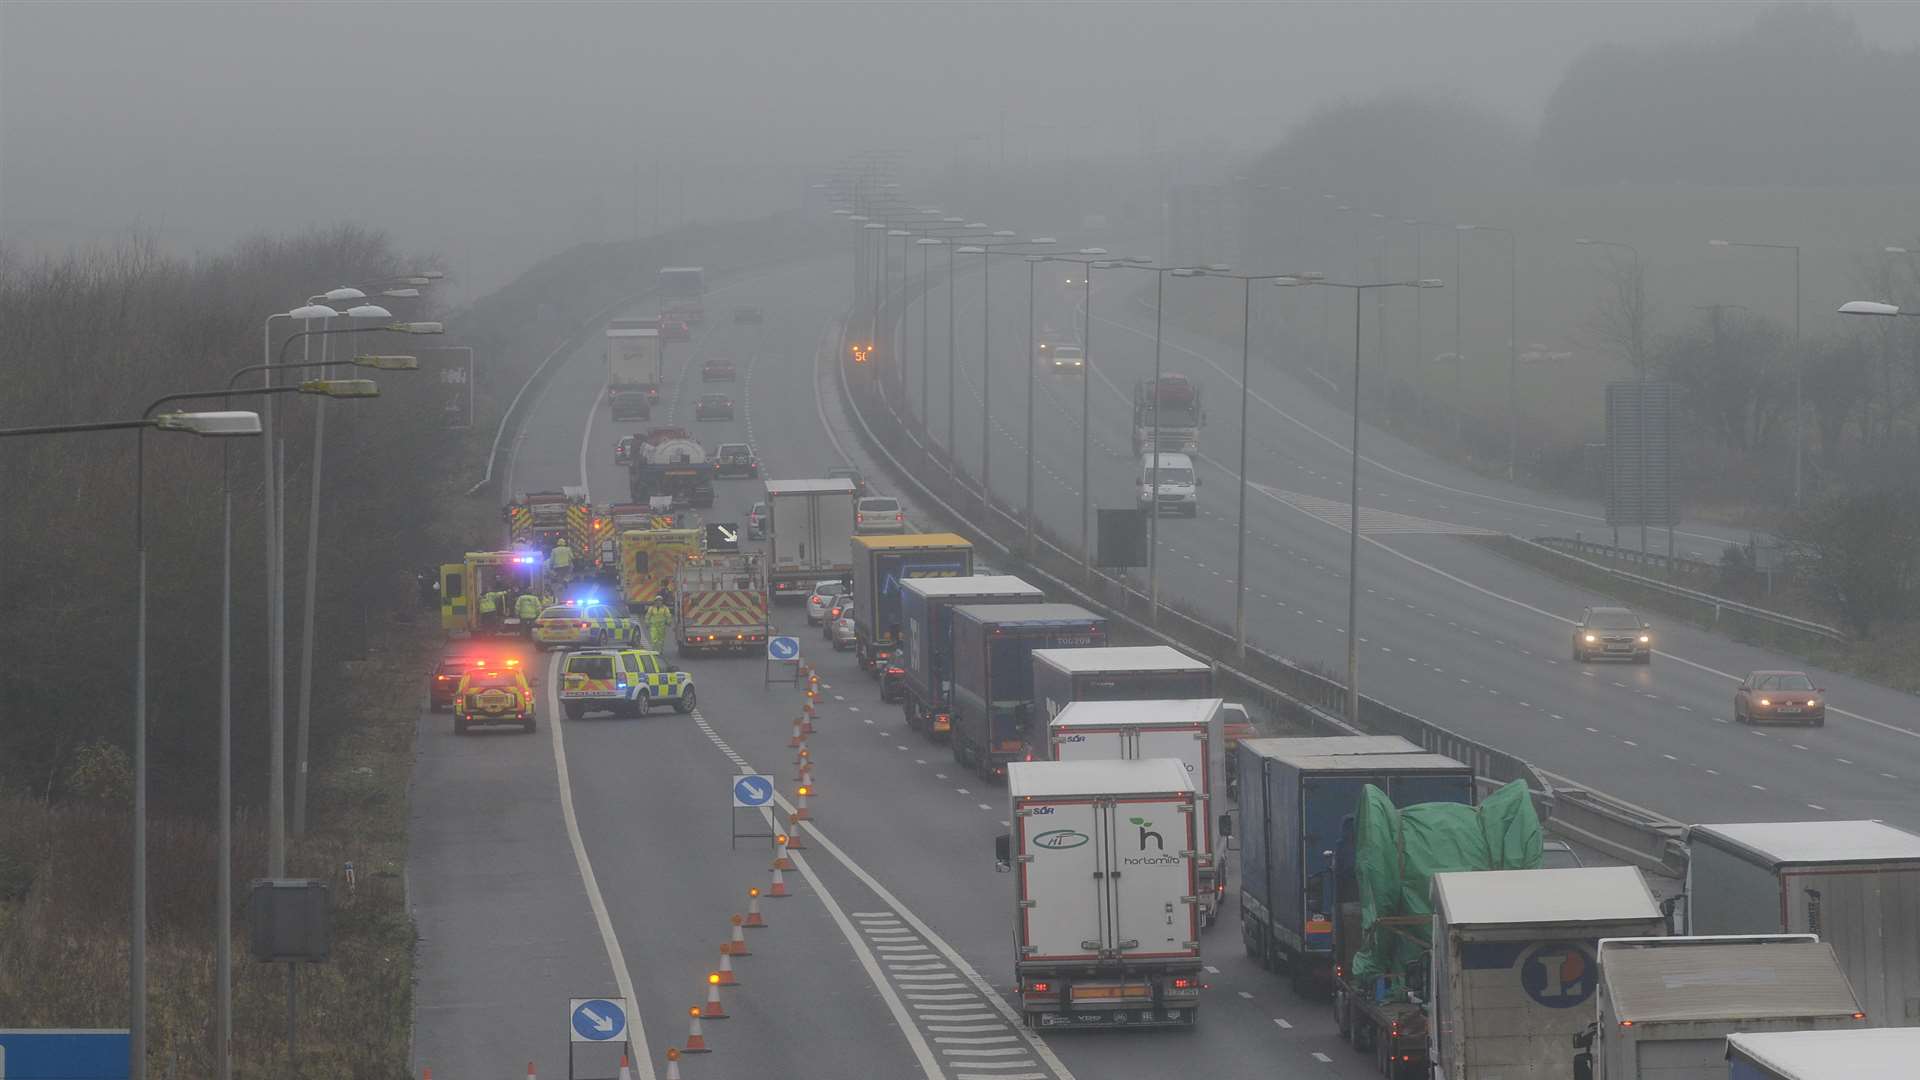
1150,878
1063,915
453,597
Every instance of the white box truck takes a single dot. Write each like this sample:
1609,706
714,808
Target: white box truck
1667,1004
809,534
1185,729
1855,884
1875,1054
1106,925
633,371
1513,967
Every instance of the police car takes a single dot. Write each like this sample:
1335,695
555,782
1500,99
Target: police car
624,682
493,695
587,623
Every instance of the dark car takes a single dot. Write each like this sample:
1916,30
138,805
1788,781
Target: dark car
717,369
893,681
1612,633
444,680
674,330
623,450
848,472
713,407
1784,697
735,459
750,316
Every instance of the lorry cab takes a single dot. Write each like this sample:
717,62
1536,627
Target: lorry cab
1178,484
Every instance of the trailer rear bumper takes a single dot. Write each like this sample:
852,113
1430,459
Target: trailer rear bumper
1159,998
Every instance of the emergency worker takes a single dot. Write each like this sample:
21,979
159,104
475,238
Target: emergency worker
658,617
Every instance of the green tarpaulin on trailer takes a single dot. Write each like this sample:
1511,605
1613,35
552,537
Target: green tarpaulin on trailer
1397,850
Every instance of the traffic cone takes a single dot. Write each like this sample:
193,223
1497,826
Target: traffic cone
795,842
426,1074
782,861
696,1040
625,1072
736,945
673,1064
753,920
800,811
805,763
713,1010
799,733
726,968
531,1075
779,888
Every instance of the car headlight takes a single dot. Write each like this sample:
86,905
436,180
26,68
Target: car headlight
1764,701
1591,639
1646,639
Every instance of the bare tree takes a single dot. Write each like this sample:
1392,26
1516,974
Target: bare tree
1623,320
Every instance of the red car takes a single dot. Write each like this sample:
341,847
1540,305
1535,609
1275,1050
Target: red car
444,681
1786,697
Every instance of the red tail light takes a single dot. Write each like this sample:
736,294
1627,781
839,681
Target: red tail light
583,626
1040,988
896,671
1184,984
440,678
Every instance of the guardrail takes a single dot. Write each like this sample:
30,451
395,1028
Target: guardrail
1576,545
1281,686
1713,606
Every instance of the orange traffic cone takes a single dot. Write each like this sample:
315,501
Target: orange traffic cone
799,733
736,945
696,1040
803,760
726,968
531,1075
795,842
779,888
800,811
782,861
713,1010
753,920
626,1073
673,1064
426,1074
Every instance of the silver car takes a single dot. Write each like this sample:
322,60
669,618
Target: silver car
817,601
843,631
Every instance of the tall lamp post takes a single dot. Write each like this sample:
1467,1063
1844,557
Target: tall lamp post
212,424
1513,343
1093,258
1246,392
1799,442
1353,482
986,247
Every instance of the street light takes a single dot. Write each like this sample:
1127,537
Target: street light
1875,307
984,247
1638,346
1086,382
1353,483
1799,442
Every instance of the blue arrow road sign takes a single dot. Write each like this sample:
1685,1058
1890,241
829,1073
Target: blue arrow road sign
783,648
598,1019
752,791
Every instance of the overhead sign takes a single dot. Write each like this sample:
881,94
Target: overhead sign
752,792
598,1019
64,1054
723,536
783,648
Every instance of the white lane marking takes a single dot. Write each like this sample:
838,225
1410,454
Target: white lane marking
1210,969
1283,1024
1005,1051
976,1039
1318,1056
1246,995
965,1027
598,903
586,436
1815,806
984,806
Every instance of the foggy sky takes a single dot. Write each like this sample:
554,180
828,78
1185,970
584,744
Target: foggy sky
495,134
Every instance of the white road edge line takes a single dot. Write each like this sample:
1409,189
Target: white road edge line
586,437
615,957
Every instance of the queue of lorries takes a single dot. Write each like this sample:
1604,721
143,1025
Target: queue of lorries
1374,874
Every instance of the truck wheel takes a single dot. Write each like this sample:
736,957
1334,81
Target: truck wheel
910,716
1343,1017
686,703
459,725
960,753
1365,1036
575,709
529,725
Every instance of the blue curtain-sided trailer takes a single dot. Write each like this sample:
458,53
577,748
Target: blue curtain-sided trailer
926,609
1295,813
994,717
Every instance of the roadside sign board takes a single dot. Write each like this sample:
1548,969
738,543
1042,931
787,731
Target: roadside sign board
597,1019
63,1054
783,648
752,792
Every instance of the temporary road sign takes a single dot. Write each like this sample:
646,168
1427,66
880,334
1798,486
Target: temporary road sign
62,1053
752,791
783,648
598,1019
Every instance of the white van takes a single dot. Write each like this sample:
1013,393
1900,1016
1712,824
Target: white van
1179,484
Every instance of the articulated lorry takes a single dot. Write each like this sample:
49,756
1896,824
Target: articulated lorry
809,534
633,369
1175,401
1103,856
926,609
670,462
1514,964
1185,729
994,715
1854,883
1667,1004
1294,807
880,565
723,604
1117,673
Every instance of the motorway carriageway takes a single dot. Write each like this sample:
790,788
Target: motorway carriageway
594,858
1449,631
